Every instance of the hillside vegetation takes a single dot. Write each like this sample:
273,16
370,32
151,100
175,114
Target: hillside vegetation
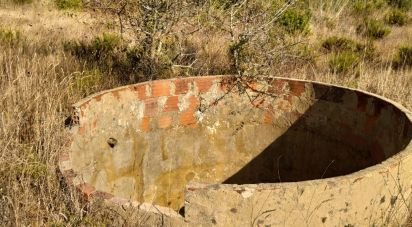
54,52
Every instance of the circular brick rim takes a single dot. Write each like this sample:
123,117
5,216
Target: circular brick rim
89,193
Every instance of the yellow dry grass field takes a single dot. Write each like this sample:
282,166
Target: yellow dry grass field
42,73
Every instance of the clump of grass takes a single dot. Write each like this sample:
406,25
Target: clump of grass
404,57
401,4
108,54
374,29
295,21
34,168
396,17
347,54
10,37
339,44
224,4
336,44
22,2
344,62
68,4
101,51
363,8
87,81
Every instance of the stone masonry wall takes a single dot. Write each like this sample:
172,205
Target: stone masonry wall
169,145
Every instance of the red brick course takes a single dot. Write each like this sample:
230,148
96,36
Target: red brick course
150,107
194,103
187,118
296,87
140,91
181,86
161,88
204,84
171,104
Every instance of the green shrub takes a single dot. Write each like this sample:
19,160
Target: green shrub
22,2
401,4
68,4
364,8
101,51
374,29
108,54
339,44
344,62
10,37
366,51
87,81
404,57
396,17
33,167
295,21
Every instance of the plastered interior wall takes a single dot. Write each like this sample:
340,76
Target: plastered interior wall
146,142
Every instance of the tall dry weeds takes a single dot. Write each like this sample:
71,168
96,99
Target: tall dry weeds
34,97
38,85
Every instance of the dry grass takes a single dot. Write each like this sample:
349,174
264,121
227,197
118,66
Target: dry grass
34,99
395,85
334,18
41,18
36,91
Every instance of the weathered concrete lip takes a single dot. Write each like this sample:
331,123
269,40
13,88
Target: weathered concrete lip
90,192
397,105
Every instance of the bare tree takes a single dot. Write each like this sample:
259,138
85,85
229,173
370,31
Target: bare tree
154,25
248,28
257,42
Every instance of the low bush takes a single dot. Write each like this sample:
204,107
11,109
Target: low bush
344,62
401,4
295,21
363,8
68,4
404,57
366,51
87,81
10,37
374,29
109,55
225,4
101,51
22,2
336,44
34,168
396,17
339,44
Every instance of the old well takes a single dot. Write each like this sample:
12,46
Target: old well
206,151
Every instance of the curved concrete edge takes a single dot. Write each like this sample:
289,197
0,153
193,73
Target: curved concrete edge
388,167
89,193
93,96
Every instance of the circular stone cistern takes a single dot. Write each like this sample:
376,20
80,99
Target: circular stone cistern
201,151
